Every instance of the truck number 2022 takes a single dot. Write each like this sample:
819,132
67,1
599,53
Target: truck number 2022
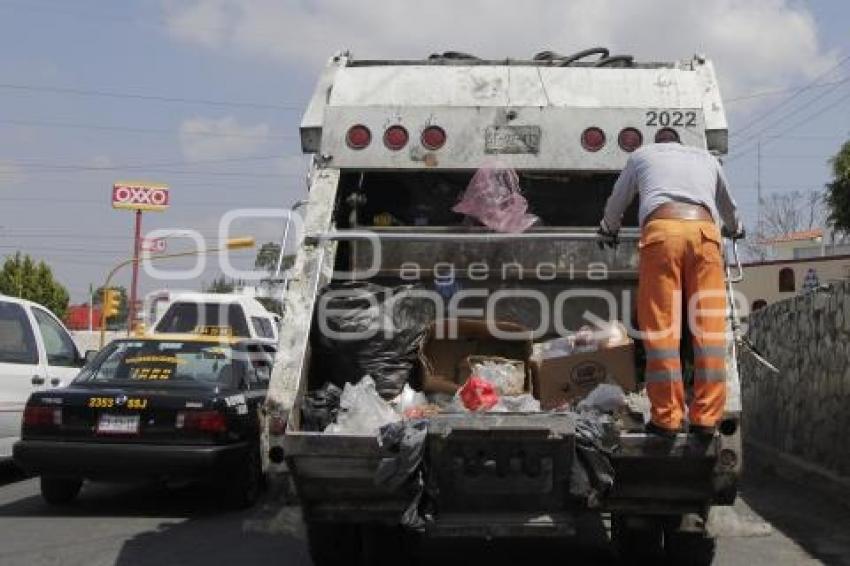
675,118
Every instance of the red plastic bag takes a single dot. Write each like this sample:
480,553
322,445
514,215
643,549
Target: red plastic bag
493,198
478,394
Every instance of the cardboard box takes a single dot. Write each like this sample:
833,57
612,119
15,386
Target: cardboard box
444,357
569,378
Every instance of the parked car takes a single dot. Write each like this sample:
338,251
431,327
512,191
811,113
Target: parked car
36,353
214,313
165,407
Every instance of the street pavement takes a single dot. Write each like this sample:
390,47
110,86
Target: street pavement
150,524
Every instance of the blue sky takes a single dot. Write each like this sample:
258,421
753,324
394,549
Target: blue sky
236,76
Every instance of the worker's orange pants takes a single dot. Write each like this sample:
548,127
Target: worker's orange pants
681,271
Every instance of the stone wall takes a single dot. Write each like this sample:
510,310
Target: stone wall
805,411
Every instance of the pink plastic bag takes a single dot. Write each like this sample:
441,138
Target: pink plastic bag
478,394
493,197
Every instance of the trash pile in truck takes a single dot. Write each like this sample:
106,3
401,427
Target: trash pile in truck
388,361
395,374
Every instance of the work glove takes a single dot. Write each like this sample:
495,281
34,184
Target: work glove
606,237
738,234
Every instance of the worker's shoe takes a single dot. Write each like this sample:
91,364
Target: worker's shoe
702,431
668,433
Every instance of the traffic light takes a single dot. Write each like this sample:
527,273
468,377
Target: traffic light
111,303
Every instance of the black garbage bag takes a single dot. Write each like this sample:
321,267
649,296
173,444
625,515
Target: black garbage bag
368,329
320,408
406,442
592,475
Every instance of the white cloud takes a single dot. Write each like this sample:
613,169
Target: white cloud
757,44
220,138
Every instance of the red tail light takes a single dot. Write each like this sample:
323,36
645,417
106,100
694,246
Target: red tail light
41,417
395,137
433,137
665,135
201,421
358,137
593,139
630,139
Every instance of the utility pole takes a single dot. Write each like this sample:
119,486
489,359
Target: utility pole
758,189
134,281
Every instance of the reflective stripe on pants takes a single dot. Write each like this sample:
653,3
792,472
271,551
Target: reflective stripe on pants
681,264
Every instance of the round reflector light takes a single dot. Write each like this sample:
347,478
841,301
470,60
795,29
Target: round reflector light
593,139
358,137
395,137
665,135
433,137
630,139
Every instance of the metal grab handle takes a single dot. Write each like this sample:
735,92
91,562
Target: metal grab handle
370,235
739,269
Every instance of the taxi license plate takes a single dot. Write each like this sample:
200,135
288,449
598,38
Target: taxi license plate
118,424
512,139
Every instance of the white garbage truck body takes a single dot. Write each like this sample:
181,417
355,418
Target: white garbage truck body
394,144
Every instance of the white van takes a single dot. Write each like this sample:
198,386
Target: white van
203,313
36,353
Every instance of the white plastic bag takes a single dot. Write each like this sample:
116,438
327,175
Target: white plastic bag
556,348
407,399
604,397
525,403
361,410
507,376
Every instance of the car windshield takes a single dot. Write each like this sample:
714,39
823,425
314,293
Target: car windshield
162,363
204,318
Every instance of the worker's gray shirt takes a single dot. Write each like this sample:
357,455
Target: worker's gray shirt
671,172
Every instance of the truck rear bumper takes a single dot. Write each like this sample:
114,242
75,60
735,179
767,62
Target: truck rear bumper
502,525
653,476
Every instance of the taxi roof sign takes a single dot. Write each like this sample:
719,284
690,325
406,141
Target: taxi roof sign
137,195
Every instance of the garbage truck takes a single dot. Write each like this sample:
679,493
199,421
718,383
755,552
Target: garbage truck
394,146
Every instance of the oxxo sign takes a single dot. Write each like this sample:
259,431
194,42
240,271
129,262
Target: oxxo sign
139,196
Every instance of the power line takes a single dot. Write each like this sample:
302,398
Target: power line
67,250
236,174
35,163
788,115
68,125
146,97
105,201
797,124
796,93
765,93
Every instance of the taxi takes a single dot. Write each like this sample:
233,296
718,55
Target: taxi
159,406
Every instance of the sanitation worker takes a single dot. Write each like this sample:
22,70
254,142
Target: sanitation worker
684,198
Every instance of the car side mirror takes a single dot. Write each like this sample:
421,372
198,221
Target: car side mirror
264,374
89,357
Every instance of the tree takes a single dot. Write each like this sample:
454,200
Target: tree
838,190
22,277
268,255
783,214
123,305
220,285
